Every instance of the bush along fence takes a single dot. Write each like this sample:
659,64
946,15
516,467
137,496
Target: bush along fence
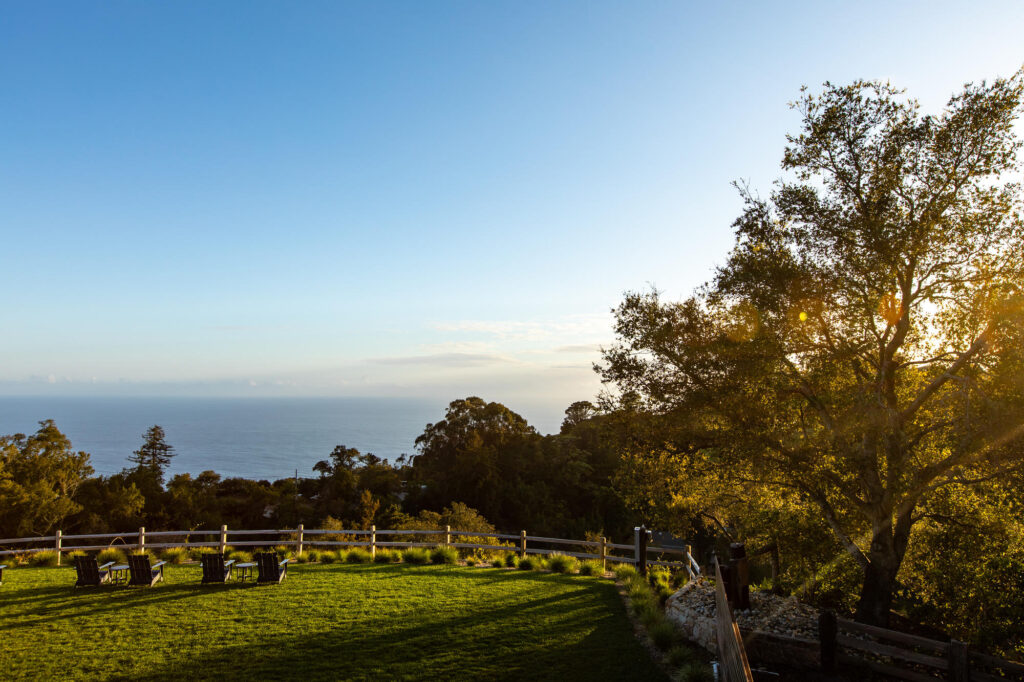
642,554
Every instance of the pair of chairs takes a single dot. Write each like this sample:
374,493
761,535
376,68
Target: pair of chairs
140,572
217,570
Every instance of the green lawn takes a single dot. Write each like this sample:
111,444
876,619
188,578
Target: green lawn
337,621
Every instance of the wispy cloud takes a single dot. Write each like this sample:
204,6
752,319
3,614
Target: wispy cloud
580,348
571,327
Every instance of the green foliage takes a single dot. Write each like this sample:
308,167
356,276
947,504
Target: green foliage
444,555
695,672
511,560
45,558
388,556
624,571
471,561
155,454
531,562
560,563
241,557
39,478
663,633
680,655
312,555
415,555
329,557
860,349
210,633
358,555
591,567
110,554
175,555
284,551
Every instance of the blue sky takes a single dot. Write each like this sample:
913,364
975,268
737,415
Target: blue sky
400,198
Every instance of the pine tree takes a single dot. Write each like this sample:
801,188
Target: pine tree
154,454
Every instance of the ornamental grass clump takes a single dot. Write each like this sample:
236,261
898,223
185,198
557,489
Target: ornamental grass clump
663,633
512,560
110,554
313,555
328,557
415,555
387,556
592,567
695,672
45,558
283,551
562,563
444,555
531,563
680,655
175,555
358,556
624,571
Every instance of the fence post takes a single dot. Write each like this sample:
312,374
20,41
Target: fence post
447,535
522,544
142,539
223,538
604,553
373,541
959,662
640,549
58,546
740,570
300,529
827,629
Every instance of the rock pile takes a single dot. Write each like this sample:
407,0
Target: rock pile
692,608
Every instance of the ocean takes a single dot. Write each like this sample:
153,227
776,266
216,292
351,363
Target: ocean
260,438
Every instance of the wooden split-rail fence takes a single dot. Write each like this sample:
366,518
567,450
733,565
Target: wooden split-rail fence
640,553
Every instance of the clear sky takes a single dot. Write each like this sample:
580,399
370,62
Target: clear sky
400,198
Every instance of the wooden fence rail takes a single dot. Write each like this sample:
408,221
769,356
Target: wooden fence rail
732,655
846,644
302,539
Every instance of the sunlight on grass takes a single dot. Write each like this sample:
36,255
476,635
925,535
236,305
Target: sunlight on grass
337,621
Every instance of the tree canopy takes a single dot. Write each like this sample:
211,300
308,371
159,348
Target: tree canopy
862,346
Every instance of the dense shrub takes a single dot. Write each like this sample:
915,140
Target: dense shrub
175,555
312,555
357,555
47,557
388,556
328,557
561,563
512,560
110,554
415,555
531,563
592,567
301,558
242,557
444,555
284,551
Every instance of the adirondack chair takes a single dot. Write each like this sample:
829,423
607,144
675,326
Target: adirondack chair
142,574
271,571
215,569
90,573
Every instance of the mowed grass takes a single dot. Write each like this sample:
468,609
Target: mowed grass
334,621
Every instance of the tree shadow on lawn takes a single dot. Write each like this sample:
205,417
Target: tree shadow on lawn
56,603
523,641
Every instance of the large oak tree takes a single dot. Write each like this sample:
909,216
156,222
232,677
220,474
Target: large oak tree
863,345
